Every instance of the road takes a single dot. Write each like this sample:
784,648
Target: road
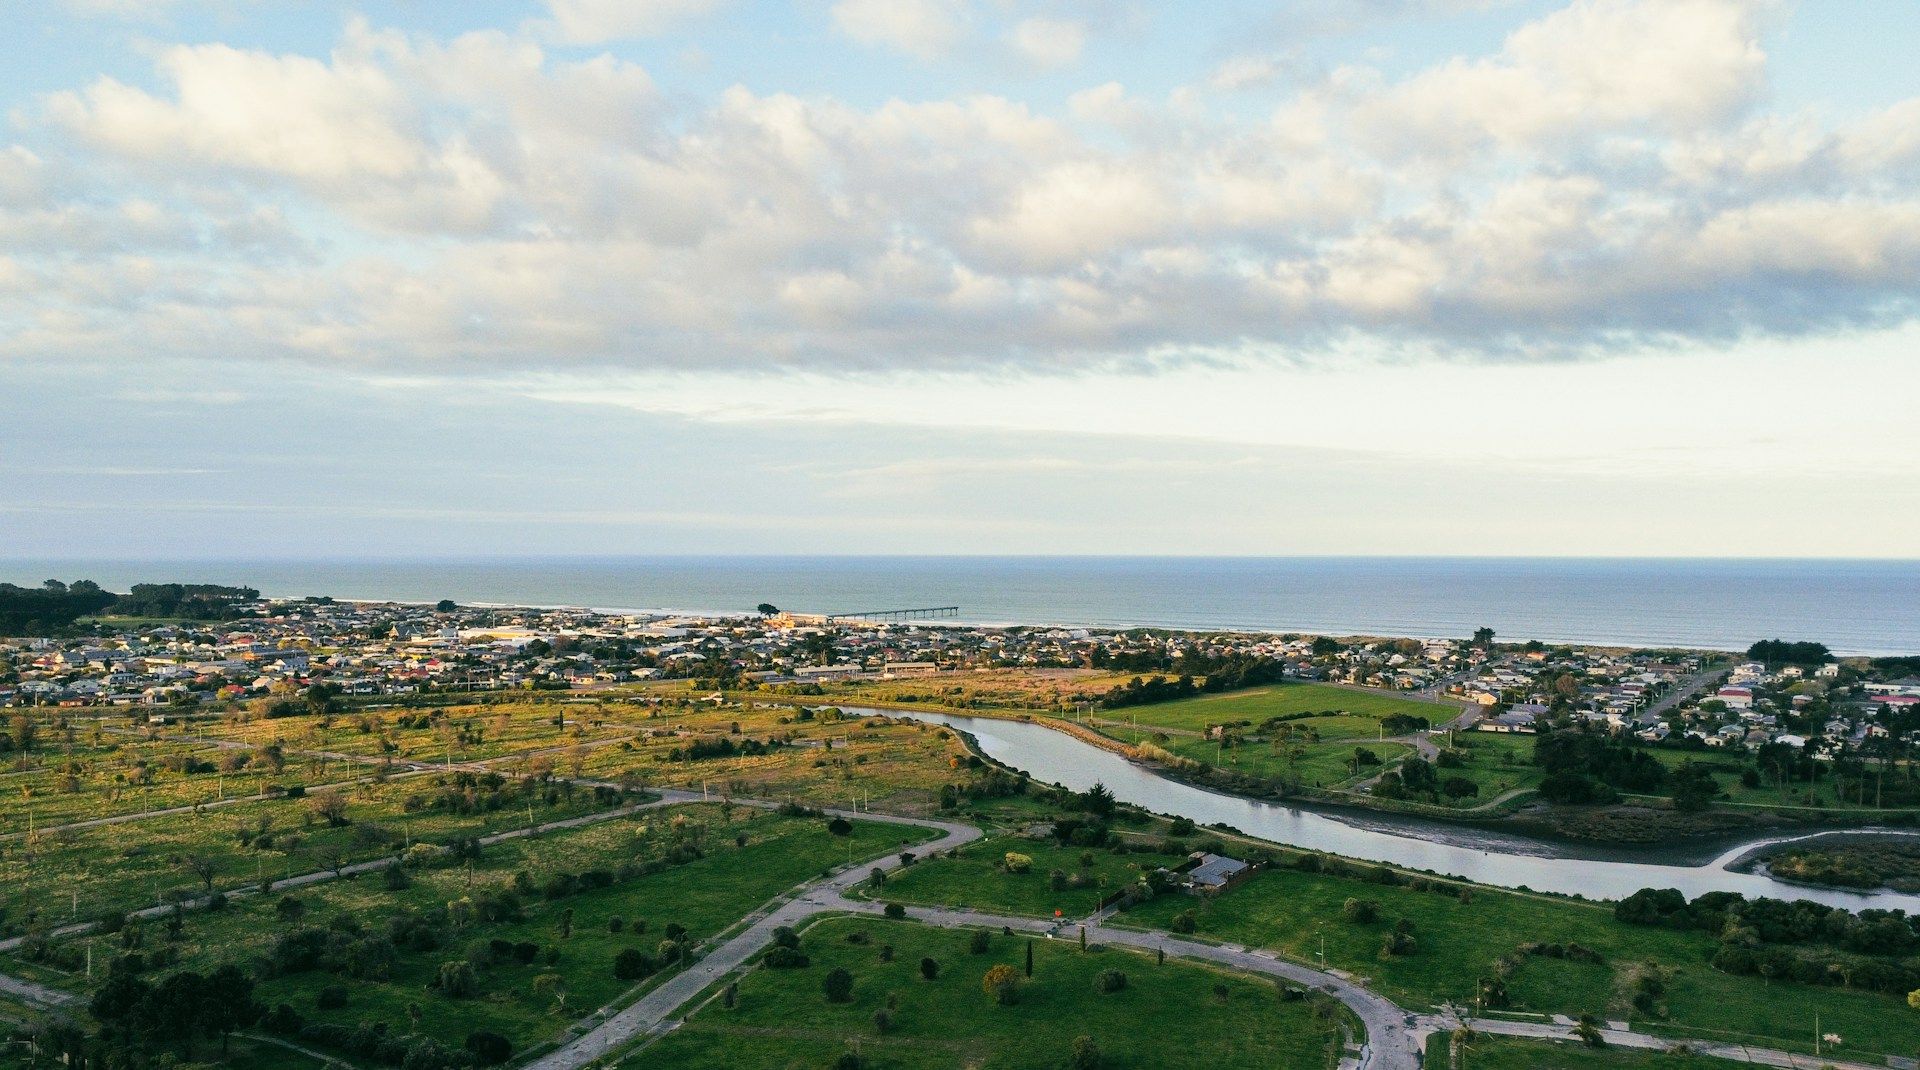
668,797
1394,1037
1681,692
651,1014
1390,1044
1428,1024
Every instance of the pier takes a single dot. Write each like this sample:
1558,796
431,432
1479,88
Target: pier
928,613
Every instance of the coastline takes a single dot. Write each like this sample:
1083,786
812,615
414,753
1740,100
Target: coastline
1864,607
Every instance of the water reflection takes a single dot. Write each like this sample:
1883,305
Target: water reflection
1477,855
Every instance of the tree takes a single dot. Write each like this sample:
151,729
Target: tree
930,970
840,826
455,980
1029,959
767,609
1589,1032
205,867
1099,801
446,605
1483,637
1002,982
631,964
1459,787
228,1004
838,985
1085,1055
489,1048
329,806
1913,999
1110,981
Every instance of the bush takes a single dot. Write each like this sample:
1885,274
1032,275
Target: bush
895,910
1360,911
1002,982
488,1047
331,998
929,969
456,980
283,1020
838,985
631,964
979,942
1185,922
1110,981
1015,862
1085,1054
785,958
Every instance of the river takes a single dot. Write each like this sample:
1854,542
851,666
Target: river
1478,855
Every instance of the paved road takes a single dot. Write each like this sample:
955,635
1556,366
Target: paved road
1389,1043
650,1015
1692,686
1426,1025
33,992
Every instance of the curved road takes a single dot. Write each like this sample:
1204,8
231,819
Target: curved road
1390,1044
1394,1037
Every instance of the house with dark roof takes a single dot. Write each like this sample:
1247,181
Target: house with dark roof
1211,874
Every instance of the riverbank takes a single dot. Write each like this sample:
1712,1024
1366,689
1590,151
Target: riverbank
1473,853
1601,832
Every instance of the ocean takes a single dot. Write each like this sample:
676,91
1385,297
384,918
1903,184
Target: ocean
1854,606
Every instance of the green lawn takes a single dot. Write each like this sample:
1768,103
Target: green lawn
978,879
706,896
1497,763
1319,759
1167,1015
1292,911
1259,703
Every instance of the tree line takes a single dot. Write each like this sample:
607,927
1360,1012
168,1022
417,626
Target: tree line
54,606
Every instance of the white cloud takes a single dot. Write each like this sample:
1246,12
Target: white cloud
1591,67
589,22
1048,43
1246,72
923,28
478,201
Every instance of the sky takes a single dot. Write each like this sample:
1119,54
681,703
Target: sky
1535,277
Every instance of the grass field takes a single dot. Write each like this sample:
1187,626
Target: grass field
87,872
705,896
1293,911
978,878
1318,753
1255,705
782,1018
1497,763
1036,690
109,776
828,760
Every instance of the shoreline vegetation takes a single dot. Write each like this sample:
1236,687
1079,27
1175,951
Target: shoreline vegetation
1625,823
